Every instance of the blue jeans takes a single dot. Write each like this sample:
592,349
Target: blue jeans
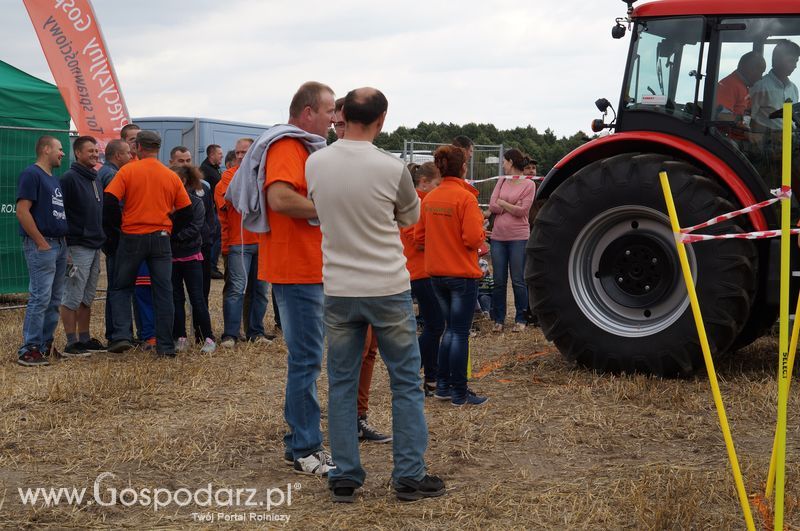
394,325
155,250
505,256
301,317
143,306
457,299
433,327
241,270
47,273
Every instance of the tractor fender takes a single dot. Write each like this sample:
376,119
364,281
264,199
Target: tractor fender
652,142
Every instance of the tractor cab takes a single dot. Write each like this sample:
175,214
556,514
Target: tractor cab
716,79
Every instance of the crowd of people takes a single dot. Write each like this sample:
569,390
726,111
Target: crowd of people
281,212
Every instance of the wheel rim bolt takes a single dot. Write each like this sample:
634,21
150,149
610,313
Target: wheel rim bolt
620,280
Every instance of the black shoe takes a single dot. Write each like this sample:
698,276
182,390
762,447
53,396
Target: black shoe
51,351
408,489
368,433
344,490
75,350
216,274
93,345
120,346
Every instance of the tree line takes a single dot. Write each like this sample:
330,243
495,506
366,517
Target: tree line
545,147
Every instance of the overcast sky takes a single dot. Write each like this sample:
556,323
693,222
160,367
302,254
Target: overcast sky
510,63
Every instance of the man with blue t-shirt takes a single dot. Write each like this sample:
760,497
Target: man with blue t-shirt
43,226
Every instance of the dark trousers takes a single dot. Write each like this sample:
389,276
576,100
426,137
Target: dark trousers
431,312
206,267
190,274
154,249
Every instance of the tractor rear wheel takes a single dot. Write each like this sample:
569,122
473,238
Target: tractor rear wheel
604,276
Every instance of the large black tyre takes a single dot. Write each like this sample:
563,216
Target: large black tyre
603,272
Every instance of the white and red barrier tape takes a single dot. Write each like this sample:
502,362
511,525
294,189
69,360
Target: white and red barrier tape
782,193
498,177
692,238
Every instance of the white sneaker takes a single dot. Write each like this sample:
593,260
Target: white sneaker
209,346
316,464
228,342
180,345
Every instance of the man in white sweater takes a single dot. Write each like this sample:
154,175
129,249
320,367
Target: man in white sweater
361,195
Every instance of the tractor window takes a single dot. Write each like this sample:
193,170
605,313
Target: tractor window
748,89
666,70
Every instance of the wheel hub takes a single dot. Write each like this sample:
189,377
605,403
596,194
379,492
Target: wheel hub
635,270
623,272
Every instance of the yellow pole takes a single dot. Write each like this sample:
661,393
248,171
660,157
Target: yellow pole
469,360
783,340
712,375
792,354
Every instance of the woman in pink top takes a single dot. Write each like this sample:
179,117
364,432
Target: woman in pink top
511,200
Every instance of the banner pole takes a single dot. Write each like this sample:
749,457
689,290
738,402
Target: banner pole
701,332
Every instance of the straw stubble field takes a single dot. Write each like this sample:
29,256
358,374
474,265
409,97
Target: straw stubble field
556,447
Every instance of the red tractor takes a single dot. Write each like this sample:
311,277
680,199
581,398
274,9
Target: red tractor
703,82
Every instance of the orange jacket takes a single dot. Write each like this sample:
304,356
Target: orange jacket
230,220
415,257
450,228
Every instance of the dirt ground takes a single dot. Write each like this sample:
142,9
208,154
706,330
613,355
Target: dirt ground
556,447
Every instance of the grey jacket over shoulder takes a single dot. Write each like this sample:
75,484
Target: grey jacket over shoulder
246,191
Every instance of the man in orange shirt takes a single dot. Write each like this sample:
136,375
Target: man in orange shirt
150,192
240,249
733,91
290,257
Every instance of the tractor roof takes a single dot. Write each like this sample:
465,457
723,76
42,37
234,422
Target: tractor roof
717,7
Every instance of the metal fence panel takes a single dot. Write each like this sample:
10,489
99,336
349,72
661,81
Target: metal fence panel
17,151
486,162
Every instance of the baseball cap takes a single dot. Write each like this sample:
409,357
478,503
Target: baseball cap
148,139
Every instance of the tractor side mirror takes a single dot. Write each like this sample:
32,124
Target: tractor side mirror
602,105
618,31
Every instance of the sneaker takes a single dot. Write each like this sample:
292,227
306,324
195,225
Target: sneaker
32,358
407,489
181,345
442,393
368,433
261,339
51,351
316,464
216,274
209,347
288,458
75,350
470,399
149,344
227,342
519,327
120,346
429,388
497,328
344,490
93,345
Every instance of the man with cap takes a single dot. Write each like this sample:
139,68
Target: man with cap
149,192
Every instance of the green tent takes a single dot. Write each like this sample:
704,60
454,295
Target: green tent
29,108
